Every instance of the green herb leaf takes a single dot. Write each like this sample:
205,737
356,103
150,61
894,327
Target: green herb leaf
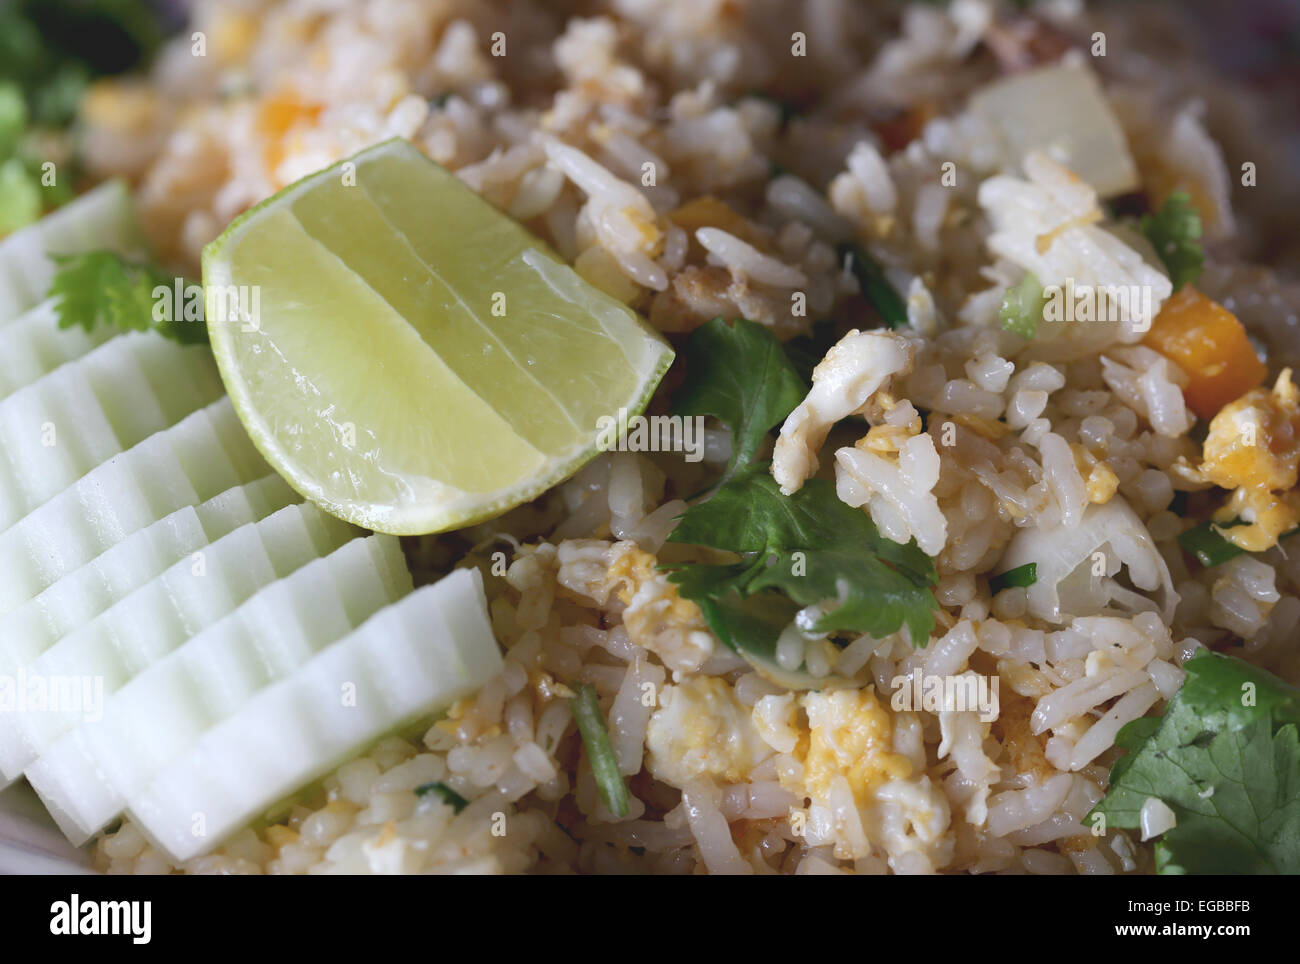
23,196
20,196
1021,576
1022,307
801,550
1175,232
1210,548
600,754
53,48
1225,758
102,288
13,118
457,802
875,286
739,374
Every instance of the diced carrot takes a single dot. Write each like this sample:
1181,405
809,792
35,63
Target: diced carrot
278,114
1207,342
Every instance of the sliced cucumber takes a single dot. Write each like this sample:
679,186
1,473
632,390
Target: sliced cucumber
86,592
86,775
102,218
194,460
151,621
243,504
411,660
63,425
34,345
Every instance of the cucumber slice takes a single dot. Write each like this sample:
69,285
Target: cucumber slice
102,218
243,504
86,592
35,345
194,460
86,775
411,660
58,428
160,615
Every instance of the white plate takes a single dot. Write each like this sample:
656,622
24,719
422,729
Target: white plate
29,841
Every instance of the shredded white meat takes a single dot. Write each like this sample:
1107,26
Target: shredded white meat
861,364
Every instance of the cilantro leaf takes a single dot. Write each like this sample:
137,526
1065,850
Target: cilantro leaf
808,549
875,286
1175,232
102,288
1022,307
805,550
740,375
1225,758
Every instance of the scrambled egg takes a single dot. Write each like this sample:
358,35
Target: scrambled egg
1100,479
844,733
850,735
838,750
702,730
1253,447
656,617
777,721
888,438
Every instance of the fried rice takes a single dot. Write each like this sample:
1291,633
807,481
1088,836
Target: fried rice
686,161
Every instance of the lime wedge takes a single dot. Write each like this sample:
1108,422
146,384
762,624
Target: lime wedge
406,356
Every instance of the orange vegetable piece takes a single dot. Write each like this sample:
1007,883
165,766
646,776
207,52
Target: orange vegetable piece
1207,342
277,115
709,212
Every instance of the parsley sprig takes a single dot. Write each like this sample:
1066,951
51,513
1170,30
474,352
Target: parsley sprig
103,288
1226,760
790,552
739,374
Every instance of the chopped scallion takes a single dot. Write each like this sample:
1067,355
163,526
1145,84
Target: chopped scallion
456,801
591,725
875,286
1021,576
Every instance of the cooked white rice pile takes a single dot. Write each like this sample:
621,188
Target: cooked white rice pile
1073,447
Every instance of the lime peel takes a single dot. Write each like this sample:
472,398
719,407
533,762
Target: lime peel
410,358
